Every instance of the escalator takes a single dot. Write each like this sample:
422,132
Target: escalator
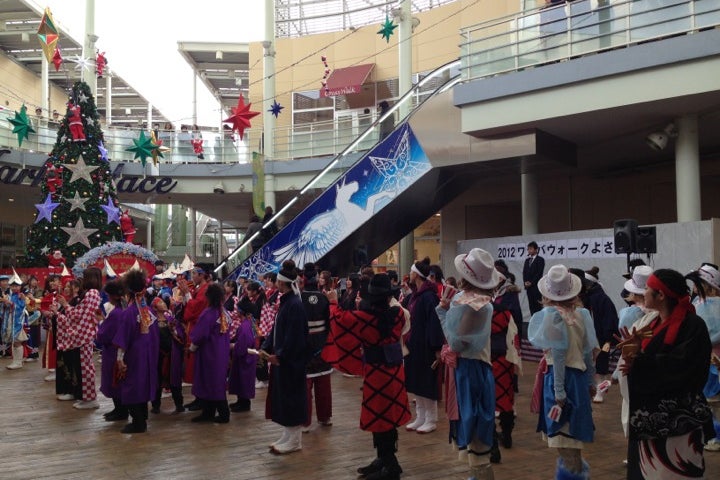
336,222
396,185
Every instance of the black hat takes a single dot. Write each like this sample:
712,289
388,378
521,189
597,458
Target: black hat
635,262
380,286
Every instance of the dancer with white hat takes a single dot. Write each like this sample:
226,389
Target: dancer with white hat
707,307
466,319
567,335
13,327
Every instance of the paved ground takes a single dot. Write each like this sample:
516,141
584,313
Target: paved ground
45,438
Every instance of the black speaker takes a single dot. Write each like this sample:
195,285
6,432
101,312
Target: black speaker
625,231
646,240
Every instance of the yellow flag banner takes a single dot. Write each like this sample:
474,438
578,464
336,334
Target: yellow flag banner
258,183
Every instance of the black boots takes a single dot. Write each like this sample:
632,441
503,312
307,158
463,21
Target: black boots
242,405
208,411
223,411
139,414
495,456
120,412
385,466
507,422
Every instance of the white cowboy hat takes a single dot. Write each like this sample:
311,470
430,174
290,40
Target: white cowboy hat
478,268
559,284
638,281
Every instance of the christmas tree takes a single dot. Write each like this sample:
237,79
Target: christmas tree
79,206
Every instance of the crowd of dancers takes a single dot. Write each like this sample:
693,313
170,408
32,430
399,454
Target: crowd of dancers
443,341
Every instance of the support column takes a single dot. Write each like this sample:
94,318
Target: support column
529,201
179,226
88,76
108,99
193,232
45,87
148,238
407,244
161,226
405,55
195,101
218,251
270,192
269,80
406,253
687,169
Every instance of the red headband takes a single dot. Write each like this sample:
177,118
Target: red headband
656,284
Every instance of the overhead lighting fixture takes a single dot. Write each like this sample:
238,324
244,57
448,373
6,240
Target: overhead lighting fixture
219,55
219,188
659,140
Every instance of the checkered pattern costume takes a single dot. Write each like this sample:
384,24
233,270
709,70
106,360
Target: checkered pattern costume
385,401
77,328
268,312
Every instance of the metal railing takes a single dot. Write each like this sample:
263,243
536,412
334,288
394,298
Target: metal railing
546,35
317,139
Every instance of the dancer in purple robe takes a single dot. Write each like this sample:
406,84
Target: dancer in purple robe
107,330
211,343
242,367
172,373
138,344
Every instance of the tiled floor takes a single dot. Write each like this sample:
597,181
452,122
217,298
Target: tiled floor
41,437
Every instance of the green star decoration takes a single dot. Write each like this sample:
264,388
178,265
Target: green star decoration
387,29
143,147
21,125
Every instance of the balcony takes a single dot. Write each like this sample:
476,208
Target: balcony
573,29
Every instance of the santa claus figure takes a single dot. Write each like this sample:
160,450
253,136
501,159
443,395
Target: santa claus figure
56,261
197,144
53,178
100,64
75,121
127,225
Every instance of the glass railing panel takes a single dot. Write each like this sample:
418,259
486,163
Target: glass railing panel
556,33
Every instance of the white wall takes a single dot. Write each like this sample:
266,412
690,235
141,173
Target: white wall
681,246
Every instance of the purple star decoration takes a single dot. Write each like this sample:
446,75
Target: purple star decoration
275,108
103,151
113,212
45,209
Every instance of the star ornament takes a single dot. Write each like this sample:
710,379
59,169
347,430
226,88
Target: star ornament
82,63
48,35
275,108
21,125
79,234
159,150
77,202
387,29
45,209
81,170
113,212
143,147
241,116
57,59
103,151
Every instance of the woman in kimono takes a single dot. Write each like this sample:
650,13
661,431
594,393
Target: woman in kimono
107,330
